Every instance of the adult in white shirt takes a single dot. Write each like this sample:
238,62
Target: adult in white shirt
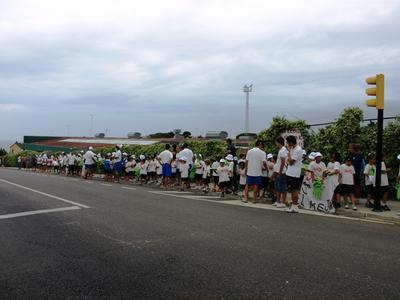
186,152
165,159
256,160
90,162
293,172
280,184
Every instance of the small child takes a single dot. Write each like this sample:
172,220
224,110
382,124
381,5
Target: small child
223,177
242,174
107,168
206,176
152,169
143,169
384,185
199,165
333,173
130,168
214,167
347,182
369,175
317,167
184,170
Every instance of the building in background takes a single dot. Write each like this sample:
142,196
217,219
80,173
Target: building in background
16,148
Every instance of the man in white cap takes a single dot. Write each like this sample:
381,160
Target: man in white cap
293,172
90,163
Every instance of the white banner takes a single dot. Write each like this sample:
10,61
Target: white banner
309,201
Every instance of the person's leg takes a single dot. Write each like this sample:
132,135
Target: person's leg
353,201
255,193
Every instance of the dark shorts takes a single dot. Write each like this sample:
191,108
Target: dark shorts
369,189
384,189
198,176
224,184
131,173
215,179
346,189
107,171
89,167
206,180
152,173
293,184
254,180
71,168
166,170
280,184
143,176
117,167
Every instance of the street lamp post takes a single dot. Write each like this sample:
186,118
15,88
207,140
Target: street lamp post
247,89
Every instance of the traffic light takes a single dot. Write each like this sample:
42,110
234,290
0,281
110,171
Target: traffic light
377,91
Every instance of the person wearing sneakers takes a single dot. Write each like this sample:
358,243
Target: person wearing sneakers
293,172
256,159
90,162
384,186
223,174
347,189
166,157
280,174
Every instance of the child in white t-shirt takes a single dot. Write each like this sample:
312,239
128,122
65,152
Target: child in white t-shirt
223,177
384,185
242,174
347,182
317,167
369,176
333,173
214,167
143,166
184,171
206,176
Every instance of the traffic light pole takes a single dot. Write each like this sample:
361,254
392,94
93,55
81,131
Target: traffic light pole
379,137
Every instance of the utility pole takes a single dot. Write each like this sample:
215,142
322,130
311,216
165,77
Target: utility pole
247,89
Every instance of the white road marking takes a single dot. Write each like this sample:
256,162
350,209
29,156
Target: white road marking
44,194
37,212
128,188
106,184
88,181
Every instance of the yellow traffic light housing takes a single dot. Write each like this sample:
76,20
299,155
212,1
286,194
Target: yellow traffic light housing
377,91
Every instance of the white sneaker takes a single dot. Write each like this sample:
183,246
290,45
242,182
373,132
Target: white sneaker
274,204
293,209
280,205
346,206
354,208
332,210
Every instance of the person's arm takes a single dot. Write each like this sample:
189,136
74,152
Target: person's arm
246,166
282,165
291,161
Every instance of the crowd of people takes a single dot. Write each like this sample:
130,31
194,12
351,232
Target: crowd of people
266,175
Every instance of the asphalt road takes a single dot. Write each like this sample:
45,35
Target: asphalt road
137,244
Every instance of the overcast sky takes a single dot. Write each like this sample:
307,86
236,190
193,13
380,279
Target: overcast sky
152,66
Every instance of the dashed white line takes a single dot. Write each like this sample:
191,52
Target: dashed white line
37,212
44,194
128,188
106,184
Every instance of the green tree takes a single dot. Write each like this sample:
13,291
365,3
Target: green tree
2,152
278,126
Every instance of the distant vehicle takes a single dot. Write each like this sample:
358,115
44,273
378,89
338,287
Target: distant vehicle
134,135
217,135
100,135
247,136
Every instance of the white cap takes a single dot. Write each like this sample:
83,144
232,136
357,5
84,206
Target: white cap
133,156
125,154
312,155
304,152
318,154
398,156
142,157
90,148
269,156
229,157
222,160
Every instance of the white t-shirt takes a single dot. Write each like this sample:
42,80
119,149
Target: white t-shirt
317,168
333,167
384,177
206,172
295,170
71,159
184,169
158,168
223,174
347,174
282,155
199,165
188,154
255,158
89,157
152,166
143,168
165,156
214,167
130,166
369,172
118,156
271,167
